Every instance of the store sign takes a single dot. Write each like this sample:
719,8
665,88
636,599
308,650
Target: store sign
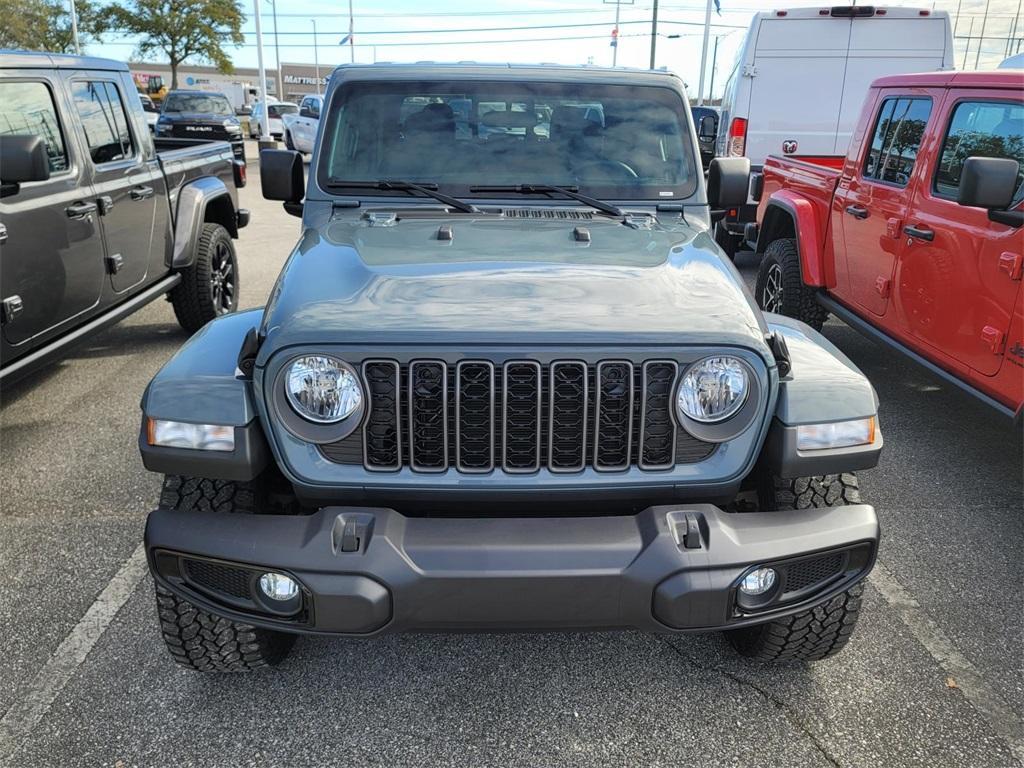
303,80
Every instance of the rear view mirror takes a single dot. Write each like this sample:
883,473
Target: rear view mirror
728,183
23,158
282,178
708,127
991,183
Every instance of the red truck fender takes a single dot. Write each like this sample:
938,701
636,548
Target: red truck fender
788,214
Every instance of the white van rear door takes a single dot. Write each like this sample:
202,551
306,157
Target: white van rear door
796,94
881,46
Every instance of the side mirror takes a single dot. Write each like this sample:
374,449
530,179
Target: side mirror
708,127
306,112
282,178
728,183
23,158
990,183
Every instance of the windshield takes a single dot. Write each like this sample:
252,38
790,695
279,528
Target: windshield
612,141
276,110
198,103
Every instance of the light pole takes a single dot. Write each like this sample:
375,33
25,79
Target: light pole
265,139
615,42
704,53
277,53
74,28
351,40
316,58
654,32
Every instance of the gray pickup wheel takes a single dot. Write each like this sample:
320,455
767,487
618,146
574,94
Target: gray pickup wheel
208,288
780,287
821,631
199,640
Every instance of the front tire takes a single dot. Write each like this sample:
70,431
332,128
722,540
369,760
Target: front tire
821,631
199,640
208,288
780,287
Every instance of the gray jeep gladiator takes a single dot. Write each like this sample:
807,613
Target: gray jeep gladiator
507,381
97,218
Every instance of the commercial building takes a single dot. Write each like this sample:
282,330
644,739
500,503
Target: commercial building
241,86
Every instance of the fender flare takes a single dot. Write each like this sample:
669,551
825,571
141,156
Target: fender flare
808,230
195,199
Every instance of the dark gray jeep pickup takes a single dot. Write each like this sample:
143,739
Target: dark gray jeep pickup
96,218
507,381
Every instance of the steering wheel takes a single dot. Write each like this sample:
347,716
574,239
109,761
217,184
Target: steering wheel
618,169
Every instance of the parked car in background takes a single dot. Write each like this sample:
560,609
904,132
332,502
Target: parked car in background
151,111
705,119
300,127
801,75
200,115
484,397
266,119
97,218
917,240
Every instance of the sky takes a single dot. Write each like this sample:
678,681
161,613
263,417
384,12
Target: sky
560,31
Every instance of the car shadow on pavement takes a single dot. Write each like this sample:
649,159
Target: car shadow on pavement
123,340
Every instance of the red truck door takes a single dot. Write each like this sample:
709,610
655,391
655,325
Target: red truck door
875,201
959,273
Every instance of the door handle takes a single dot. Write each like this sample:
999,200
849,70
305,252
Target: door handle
80,210
857,211
921,233
142,193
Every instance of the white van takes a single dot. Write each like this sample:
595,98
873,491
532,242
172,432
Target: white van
800,77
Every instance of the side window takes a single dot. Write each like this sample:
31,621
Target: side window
27,108
897,137
104,120
314,107
981,129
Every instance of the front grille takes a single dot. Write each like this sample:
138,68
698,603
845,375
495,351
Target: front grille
214,577
518,417
808,572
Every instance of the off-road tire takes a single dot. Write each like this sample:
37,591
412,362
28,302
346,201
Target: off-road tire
781,264
206,643
193,298
195,638
727,242
821,631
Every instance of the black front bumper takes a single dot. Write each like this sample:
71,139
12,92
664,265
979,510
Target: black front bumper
368,570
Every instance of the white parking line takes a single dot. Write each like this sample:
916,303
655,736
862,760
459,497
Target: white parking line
26,713
1007,723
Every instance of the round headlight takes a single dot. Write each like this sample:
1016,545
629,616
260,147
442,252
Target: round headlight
322,389
713,389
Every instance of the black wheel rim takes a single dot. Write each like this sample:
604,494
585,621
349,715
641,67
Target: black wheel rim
222,279
771,294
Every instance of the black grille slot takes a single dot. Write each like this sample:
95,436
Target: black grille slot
809,572
214,577
382,439
657,428
428,416
567,427
522,416
474,429
613,432
546,213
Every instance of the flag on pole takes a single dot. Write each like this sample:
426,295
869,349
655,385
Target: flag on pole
615,38
345,40
718,7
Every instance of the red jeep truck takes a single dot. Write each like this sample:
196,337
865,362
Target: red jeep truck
917,240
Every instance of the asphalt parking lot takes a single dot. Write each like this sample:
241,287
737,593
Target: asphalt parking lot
933,677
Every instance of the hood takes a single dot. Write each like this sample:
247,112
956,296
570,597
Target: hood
509,280
197,118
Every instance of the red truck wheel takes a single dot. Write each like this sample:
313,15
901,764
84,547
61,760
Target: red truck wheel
780,287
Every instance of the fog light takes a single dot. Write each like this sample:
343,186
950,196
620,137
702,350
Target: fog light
758,581
277,586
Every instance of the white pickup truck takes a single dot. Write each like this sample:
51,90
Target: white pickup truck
300,128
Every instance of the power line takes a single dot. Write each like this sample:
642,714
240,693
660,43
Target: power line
502,29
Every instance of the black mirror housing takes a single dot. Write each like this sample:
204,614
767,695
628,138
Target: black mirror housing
708,127
988,182
282,176
728,182
23,158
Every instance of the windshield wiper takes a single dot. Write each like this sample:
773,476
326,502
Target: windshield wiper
548,189
426,188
